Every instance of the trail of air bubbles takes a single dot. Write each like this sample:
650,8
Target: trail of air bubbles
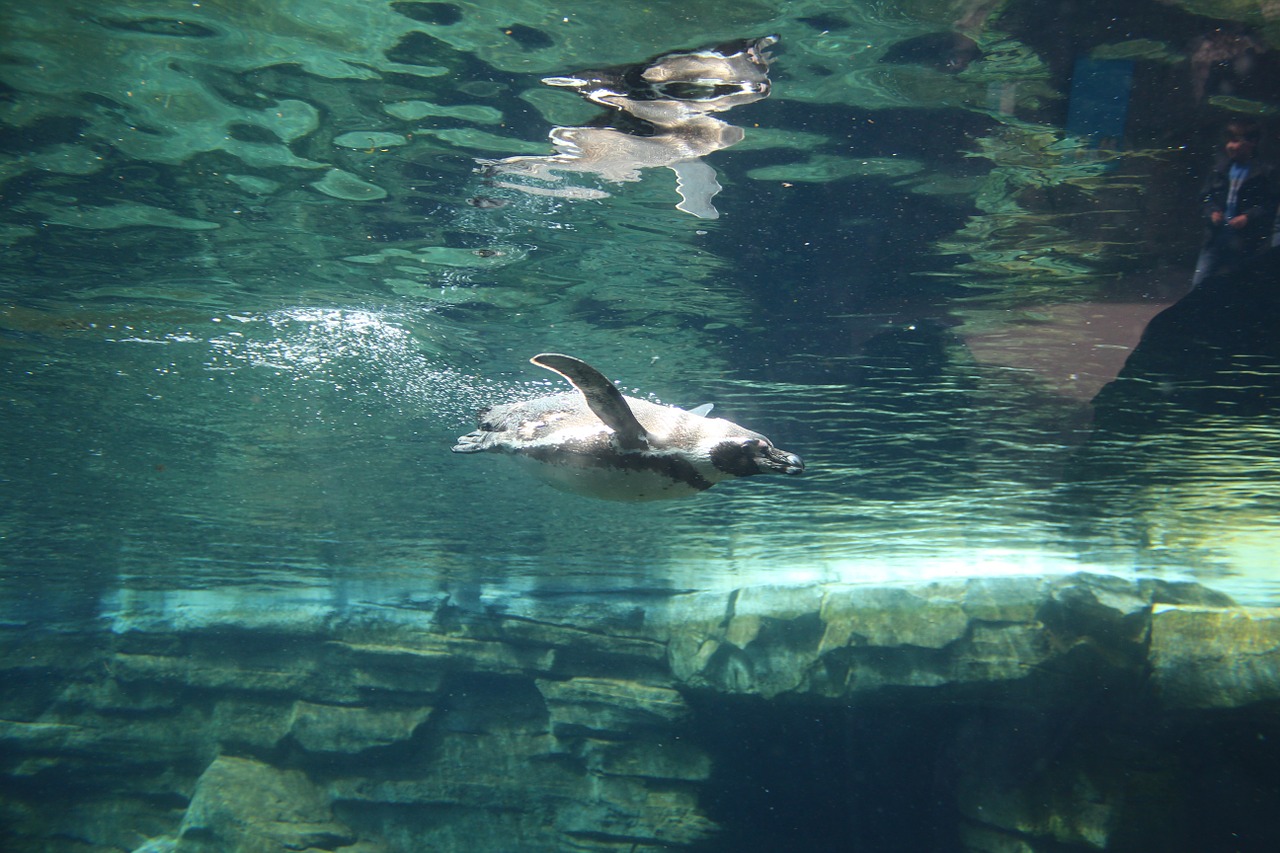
357,352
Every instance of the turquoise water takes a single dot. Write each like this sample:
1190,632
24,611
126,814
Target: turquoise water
264,262
250,300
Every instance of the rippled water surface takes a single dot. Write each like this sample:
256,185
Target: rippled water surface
264,262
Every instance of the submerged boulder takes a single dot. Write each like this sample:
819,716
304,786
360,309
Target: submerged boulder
245,806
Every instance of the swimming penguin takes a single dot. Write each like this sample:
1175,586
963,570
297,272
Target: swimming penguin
596,442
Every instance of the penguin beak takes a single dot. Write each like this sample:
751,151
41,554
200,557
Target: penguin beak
781,462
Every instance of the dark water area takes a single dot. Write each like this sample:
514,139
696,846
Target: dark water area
263,264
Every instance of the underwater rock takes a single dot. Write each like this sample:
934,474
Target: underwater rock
862,639
1058,708
651,759
626,814
607,705
335,728
202,668
246,806
252,724
1079,806
34,736
1215,657
1213,351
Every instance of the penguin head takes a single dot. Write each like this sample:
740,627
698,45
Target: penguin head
751,453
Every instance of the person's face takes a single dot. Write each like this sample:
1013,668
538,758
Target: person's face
1238,148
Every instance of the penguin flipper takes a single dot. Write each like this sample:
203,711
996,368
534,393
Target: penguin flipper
602,396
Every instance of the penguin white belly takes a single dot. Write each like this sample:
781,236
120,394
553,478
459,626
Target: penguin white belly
607,482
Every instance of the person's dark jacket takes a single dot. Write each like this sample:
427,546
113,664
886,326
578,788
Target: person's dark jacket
1258,197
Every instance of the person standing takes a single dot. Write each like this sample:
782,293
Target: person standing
1239,202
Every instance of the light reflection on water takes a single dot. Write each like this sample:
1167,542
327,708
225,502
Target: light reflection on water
312,459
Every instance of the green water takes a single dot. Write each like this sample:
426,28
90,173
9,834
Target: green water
249,300
262,262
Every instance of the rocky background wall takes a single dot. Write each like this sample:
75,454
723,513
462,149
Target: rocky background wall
1021,714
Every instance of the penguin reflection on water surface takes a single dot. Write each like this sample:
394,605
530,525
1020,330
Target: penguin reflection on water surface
660,113
596,442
